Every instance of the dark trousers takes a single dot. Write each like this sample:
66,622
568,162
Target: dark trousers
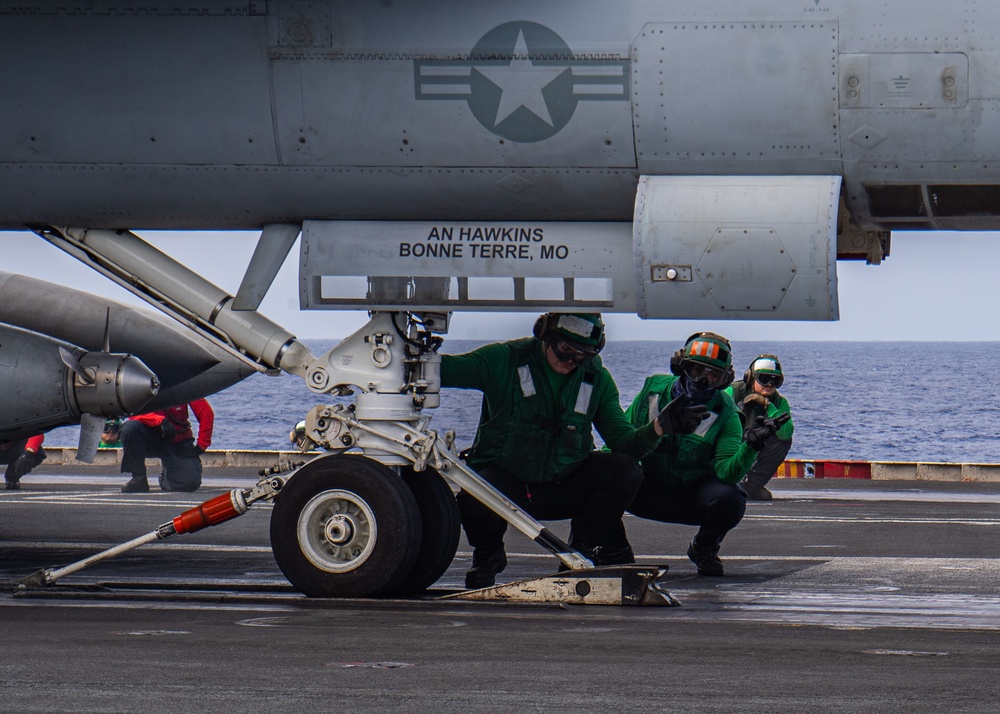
770,458
179,472
715,506
594,496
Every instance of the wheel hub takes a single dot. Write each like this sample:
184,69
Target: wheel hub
337,531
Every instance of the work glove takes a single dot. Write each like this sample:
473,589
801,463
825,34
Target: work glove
762,429
168,430
755,398
23,465
681,417
188,451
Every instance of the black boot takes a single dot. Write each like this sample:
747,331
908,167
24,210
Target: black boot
137,484
755,486
610,555
707,560
486,564
13,484
756,492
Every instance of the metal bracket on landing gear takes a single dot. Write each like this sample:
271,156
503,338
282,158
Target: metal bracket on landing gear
609,585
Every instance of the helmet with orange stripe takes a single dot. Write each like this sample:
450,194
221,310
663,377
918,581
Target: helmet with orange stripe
706,359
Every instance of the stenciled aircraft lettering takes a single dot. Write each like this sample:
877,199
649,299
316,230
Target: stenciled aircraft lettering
522,81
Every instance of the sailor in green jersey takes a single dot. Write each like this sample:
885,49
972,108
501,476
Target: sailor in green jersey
757,395
110,438
541,396
692,478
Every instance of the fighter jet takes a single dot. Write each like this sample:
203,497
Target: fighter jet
679,159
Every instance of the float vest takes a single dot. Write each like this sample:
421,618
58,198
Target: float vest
534,436
680,459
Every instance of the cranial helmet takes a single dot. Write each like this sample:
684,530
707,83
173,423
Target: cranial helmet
764,364
706,348
583,330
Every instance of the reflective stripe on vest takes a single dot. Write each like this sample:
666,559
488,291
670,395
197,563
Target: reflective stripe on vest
583,398
654,406
527,383
583,395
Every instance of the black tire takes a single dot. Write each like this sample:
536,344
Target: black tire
345,526
441,529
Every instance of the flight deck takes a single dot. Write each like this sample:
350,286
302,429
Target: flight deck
841,593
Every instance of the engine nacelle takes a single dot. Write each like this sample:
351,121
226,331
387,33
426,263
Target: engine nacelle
41,391
187,365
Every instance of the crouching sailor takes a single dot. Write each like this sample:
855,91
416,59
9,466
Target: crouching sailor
757,395
534,443
691,478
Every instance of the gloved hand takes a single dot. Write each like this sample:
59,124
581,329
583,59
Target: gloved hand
23,465
755,398
762,429
168,430
189,450
680,417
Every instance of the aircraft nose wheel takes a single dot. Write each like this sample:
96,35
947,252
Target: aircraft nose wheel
346,526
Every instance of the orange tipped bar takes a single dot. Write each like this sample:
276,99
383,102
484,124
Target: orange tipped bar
217,510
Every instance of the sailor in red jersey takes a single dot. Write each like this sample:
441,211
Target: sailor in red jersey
20,457
167,435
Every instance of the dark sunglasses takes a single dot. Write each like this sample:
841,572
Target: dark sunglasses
568,353
769,380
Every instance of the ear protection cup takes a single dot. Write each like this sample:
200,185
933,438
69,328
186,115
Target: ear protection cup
542,326
675,362
747,377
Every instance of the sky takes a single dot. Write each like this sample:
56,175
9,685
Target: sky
934,286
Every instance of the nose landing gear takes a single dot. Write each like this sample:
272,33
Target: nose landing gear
349,526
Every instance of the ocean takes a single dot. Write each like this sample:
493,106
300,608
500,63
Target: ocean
869,401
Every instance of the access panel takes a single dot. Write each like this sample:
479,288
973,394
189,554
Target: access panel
737,247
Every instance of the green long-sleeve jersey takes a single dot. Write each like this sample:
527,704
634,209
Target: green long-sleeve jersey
715,450
537,423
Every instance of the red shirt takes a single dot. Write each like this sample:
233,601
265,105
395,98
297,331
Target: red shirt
178,416
33,444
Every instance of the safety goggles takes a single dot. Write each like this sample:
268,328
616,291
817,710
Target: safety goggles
569,353
711,376
769,380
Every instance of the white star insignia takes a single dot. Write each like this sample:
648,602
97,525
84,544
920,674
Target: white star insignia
521,84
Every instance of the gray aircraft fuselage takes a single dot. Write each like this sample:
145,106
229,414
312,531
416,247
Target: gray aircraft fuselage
693,159
687,159
240,114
